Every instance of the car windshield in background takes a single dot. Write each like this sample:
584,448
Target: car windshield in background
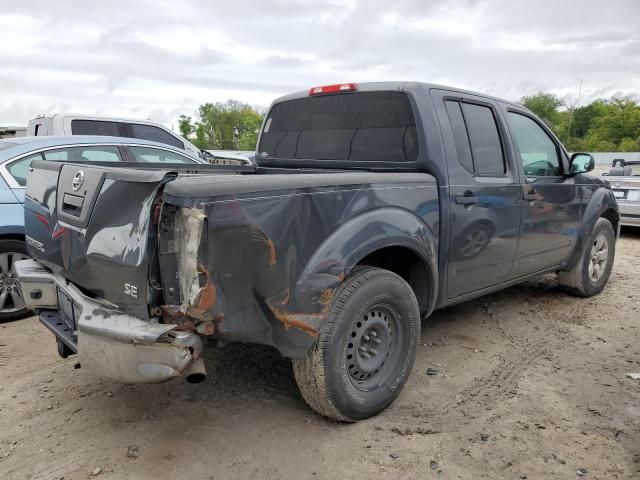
4,144
635,169
364,126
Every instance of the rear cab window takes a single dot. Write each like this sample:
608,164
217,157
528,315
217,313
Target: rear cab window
94,127
154,134
355,127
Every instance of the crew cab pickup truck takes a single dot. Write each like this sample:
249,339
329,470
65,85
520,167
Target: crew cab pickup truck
371,206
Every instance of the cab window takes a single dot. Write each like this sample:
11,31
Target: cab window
537,151
158,155
154,134
477,140
94,127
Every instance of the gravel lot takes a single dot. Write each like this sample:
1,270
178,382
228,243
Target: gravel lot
530,384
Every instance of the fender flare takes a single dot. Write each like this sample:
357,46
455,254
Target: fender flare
601,201
369,232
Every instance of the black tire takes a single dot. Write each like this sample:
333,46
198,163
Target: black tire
11,250
357,367
580,280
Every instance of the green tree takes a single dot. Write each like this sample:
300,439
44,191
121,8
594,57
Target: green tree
545,106
629,145
611,125
230,125
185,126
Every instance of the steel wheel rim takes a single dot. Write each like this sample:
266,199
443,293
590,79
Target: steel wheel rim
599,257
373,347
10,293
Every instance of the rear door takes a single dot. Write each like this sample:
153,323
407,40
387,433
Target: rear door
551,202
484,193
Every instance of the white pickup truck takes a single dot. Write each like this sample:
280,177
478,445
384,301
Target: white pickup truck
74,124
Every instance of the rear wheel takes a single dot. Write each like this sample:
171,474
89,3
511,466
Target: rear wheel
11,301
591,272
365,349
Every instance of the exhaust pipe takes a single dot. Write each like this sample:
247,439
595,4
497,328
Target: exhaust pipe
196,372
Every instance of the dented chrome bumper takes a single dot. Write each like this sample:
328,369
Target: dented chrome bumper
111,343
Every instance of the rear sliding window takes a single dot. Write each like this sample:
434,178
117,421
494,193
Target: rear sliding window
155,134
366,126
94,127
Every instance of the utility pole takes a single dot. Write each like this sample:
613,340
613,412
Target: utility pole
579,94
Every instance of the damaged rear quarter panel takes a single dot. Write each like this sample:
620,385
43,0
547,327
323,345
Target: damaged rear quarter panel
269,261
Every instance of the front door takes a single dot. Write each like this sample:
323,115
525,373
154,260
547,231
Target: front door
551,205
484,195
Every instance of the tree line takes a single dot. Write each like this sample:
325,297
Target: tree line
606,125
230,125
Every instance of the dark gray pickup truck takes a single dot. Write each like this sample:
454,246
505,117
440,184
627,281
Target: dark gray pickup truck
371,206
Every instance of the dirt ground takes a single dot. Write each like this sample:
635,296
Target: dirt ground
531,384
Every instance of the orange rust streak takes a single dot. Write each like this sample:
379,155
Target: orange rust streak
263,237
272,253
325,297
289,321
207,297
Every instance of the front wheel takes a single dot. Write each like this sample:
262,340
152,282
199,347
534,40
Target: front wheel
365,349
591,272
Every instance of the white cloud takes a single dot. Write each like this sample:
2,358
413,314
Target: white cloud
149,59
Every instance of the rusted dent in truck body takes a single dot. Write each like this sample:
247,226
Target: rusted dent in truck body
268,263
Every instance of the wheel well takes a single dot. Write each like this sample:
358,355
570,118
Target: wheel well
12,236
407,264
613,217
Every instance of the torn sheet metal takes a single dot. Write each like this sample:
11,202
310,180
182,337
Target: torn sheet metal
188,223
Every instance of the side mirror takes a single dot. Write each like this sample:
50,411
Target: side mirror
581,163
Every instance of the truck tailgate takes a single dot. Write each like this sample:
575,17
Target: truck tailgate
93,225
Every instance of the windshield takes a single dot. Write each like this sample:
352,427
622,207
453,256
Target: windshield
365,126
635,168
4,144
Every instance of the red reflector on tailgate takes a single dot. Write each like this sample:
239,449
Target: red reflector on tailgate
337,88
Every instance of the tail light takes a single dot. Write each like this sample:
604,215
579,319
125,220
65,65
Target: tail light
337,88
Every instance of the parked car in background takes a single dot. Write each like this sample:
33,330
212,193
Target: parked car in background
16,156
625,184
74,124
12,131
240,156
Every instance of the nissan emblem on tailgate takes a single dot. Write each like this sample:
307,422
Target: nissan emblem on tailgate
78,180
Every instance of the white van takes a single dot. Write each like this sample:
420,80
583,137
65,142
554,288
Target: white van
68,124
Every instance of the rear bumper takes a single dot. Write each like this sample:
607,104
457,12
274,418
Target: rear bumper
629,213
111,343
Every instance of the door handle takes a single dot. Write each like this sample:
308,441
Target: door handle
467,200
530,197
